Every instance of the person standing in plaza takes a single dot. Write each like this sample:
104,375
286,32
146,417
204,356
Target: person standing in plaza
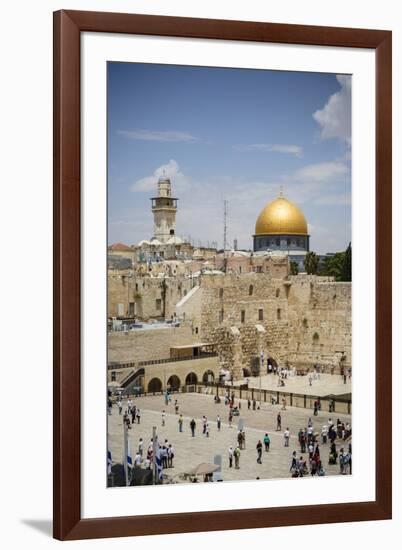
230,456
286,437
310,450
192,427
133,413
141,447
267,442
180,422
284,403
164,455
309,433
230,418
254,404
324,434
218,423
170,453
248,403
293,464
129,405
204,424
303,438
126,420
137,460
163,418
236,454
207,429
120,405
278,422
259,452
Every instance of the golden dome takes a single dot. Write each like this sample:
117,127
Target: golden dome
281,217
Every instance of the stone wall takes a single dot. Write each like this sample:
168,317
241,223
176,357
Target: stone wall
300,320
150,297
320,321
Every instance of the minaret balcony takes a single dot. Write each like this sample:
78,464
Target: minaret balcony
164,202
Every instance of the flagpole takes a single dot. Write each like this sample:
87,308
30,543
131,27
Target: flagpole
125,444
261,367
154,444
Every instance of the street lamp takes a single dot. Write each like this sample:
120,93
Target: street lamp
261,367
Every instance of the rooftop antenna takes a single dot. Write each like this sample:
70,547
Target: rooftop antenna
225,215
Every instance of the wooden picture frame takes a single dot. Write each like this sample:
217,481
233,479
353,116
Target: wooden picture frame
68,25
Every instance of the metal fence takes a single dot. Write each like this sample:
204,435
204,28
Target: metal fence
330,404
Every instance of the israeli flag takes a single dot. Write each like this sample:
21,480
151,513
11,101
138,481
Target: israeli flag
109,459
129,455
158,459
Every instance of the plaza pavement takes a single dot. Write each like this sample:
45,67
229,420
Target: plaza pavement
189,451
326,384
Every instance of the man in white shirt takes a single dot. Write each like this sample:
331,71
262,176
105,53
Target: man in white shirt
230,456
286,436
137,460
324,433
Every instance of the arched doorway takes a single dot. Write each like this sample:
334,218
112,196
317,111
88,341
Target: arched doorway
173,383
208,377
246,373
272,365
154,385
191,379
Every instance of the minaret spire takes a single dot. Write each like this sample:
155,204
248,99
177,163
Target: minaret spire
164,208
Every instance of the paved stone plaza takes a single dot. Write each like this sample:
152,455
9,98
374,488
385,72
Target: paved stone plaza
323,384
189,451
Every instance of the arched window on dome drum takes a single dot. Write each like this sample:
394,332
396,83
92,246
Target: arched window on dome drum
250,290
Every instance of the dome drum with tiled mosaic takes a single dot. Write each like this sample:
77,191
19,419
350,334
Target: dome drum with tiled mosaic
281,225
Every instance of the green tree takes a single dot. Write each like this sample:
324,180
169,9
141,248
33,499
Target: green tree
294,268
311,263
347,264
338,265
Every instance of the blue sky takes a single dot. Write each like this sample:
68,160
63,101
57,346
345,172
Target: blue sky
234,134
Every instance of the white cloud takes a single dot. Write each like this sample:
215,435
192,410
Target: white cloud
171,170
321,172
268,147
317,188
335,118
154,135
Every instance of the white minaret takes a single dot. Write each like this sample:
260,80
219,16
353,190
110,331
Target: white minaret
164,208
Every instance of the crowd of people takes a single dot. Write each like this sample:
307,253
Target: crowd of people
308,461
